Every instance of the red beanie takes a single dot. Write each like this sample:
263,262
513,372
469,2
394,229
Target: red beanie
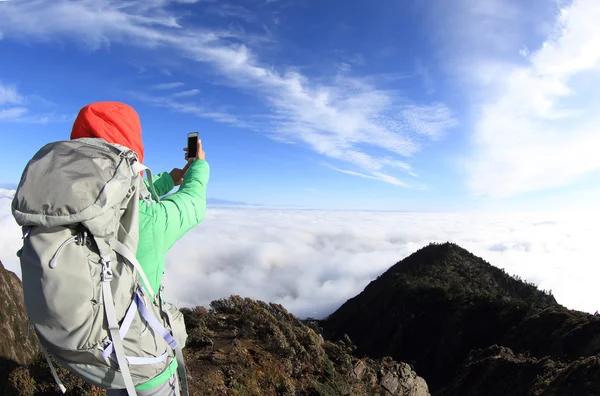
112,121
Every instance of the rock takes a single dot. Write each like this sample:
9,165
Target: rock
390,382
16,348
359,369
403,381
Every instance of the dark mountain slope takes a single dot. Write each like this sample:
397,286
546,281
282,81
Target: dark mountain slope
437,305
497,371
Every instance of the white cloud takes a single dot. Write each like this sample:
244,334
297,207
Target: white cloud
375,176
424,73
167,86
10,233
231,11
313,261
533,86
430,121
12,113
194,109
333,119
6,193
14,107
9,95
10,99
188,93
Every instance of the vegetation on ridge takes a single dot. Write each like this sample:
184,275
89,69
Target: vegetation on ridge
436,306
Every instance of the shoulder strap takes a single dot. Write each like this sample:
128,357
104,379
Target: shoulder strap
139,167
113,327
124,251
151,185
180,360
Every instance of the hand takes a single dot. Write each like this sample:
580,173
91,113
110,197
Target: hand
200,153
178,174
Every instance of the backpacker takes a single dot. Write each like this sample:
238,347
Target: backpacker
86,295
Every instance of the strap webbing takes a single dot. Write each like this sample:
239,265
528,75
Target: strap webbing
141,361
154,323
113,327
138,167
125,325
151,185
181,370
62,388
124,251
180,360
137,304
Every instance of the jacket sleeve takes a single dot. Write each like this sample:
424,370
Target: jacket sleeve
163,183
181,211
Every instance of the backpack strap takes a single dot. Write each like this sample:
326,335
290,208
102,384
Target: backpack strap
181,371
178,351
113,327
139,167
124,251
62,388
151,185
138,303
180,362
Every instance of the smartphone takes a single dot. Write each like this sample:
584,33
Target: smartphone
192,147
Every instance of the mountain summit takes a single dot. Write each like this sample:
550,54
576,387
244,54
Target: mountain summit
456,317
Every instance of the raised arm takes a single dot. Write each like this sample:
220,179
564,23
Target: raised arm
179,212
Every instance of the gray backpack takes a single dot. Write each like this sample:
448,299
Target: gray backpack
86,295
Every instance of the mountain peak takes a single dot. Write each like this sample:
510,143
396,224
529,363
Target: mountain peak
441,302
452,268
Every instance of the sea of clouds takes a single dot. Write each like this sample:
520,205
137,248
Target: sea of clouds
312,261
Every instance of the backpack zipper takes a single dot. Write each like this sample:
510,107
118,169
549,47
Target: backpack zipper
54,259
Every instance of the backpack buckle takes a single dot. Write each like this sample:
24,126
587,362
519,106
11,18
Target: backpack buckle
140,289
107,273
83,239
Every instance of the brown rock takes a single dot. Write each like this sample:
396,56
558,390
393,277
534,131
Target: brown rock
15,346
401,380
359,369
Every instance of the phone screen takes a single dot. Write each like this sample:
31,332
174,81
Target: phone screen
192,145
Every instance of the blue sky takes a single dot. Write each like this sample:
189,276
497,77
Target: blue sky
396,105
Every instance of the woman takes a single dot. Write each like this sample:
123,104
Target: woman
161,223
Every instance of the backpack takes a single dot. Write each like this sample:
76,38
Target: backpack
86,295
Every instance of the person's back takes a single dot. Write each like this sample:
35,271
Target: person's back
162,221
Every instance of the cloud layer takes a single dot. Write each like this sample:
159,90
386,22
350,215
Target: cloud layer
313,261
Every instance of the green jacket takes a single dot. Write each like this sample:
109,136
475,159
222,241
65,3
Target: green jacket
163,223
